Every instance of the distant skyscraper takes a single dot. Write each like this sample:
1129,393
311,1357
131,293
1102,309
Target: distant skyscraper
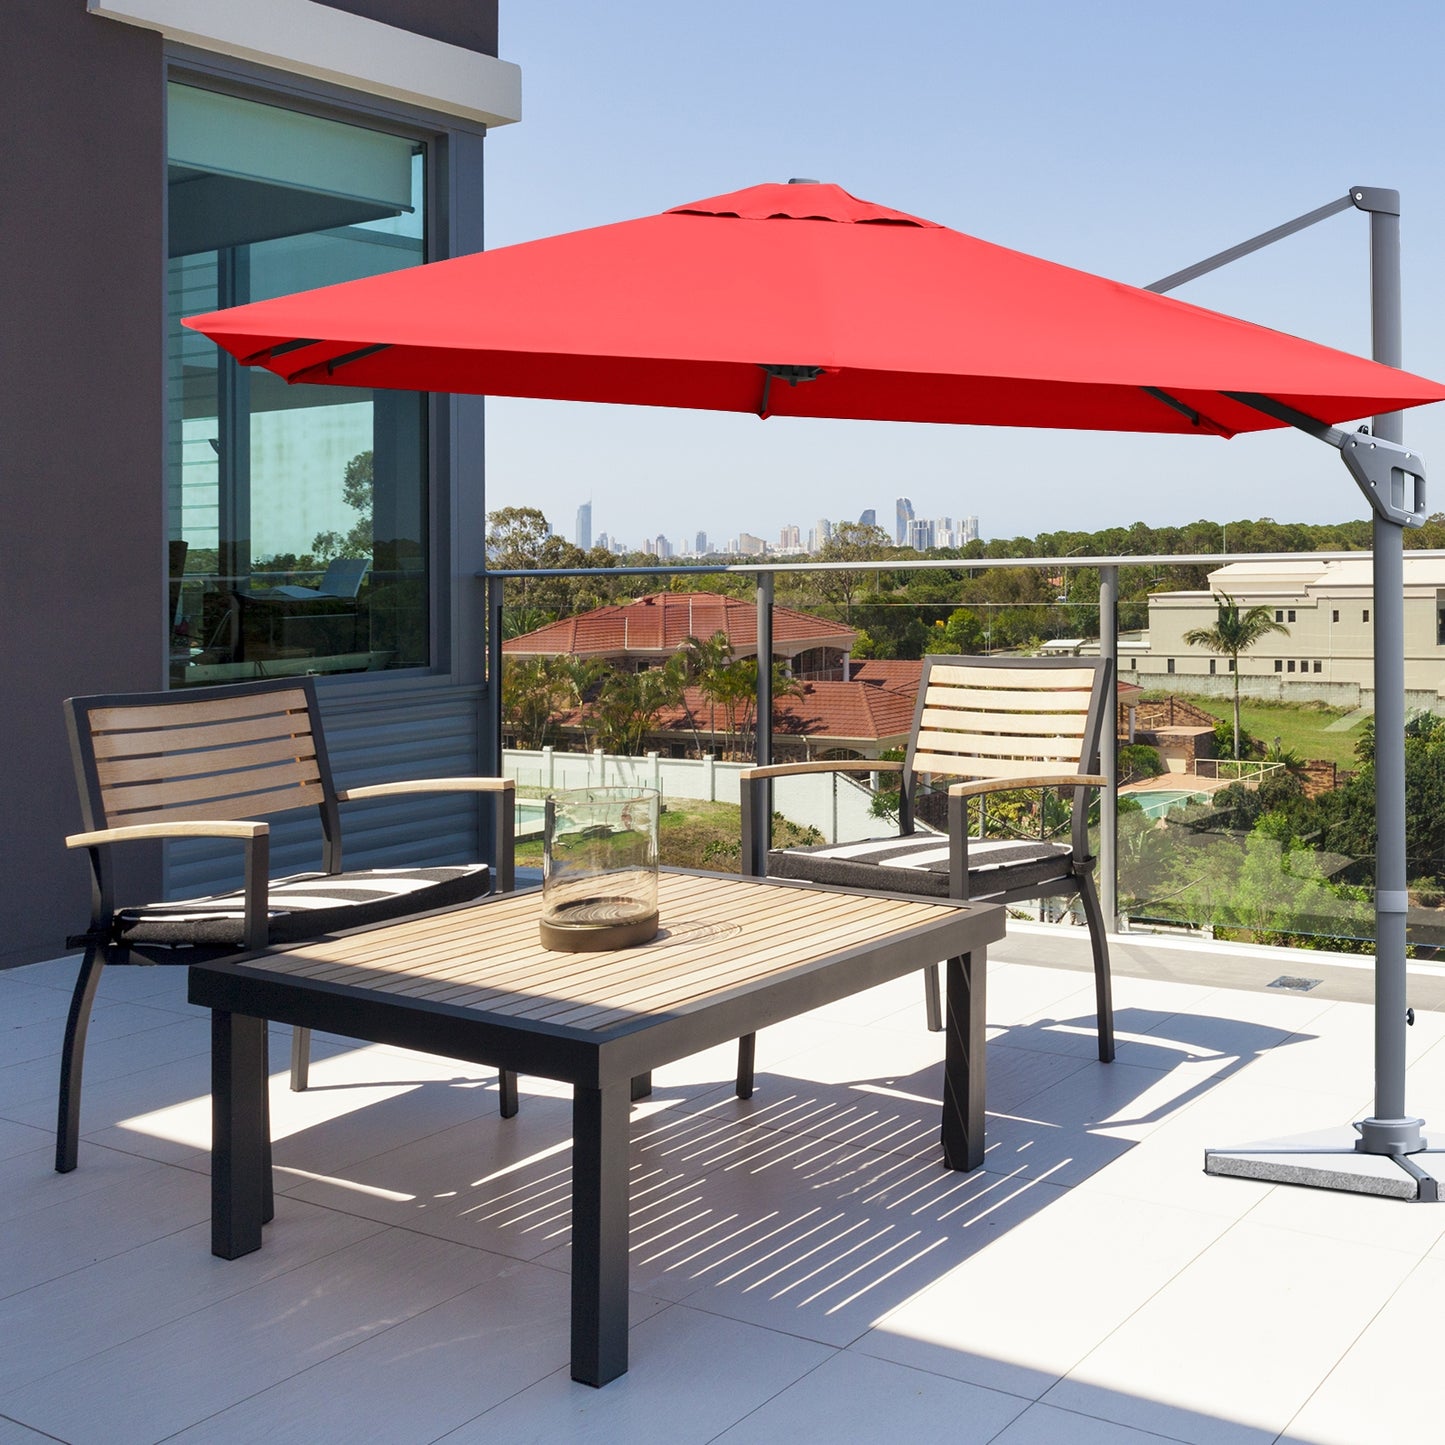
604,542
751,546
920,534
903,515
662,547
789,539
868,518
968,530
584,526
822,534
700,547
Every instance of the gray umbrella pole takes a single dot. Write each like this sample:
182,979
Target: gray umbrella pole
1389,1131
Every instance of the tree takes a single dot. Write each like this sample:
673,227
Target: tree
1234,632
532,693
702,662
850,542
629,703
358,491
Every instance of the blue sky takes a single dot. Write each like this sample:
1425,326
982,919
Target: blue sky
1126,137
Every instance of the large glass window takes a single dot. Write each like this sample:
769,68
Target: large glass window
297,515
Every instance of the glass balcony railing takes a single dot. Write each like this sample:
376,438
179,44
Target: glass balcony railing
1270,841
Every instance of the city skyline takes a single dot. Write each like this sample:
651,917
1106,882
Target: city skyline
790,537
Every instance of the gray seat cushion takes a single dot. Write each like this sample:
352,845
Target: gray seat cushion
918,864
306,905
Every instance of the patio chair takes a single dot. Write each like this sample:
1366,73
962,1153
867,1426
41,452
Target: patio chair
343,578
213,764
995,725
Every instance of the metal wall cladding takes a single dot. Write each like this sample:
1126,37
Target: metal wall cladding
421,732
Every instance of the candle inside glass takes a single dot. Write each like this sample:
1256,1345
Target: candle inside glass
599,869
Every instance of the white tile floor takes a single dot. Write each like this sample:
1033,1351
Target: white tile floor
803,1268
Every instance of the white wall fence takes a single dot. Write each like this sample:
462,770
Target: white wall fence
833,803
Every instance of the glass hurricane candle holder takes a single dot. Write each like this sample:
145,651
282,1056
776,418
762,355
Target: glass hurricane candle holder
599,869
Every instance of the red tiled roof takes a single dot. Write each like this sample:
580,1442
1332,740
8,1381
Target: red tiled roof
659,624
834,710
899,674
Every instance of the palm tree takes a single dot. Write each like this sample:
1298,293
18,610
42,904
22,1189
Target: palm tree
702,662
1234,632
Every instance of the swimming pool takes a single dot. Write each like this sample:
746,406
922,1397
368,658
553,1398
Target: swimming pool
530,816
1158,802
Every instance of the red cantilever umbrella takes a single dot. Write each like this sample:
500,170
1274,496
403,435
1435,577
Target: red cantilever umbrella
802,300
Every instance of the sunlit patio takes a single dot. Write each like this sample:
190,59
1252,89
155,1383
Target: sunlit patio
802,1265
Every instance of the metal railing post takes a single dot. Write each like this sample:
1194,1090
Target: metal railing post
1109,750
764,750
492,738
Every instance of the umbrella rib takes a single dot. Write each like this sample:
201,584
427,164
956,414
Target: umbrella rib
1196,418
337,362
270,353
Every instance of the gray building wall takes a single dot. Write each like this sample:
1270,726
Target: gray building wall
82,460
82,545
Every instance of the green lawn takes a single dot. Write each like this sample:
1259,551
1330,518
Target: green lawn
695,834
1300,727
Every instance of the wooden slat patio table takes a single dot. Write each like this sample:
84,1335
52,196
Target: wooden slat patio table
474,983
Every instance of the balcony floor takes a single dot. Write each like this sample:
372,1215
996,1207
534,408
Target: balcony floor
802,1266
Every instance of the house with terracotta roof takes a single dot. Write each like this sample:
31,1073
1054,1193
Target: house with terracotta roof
840,710
646,631
828,719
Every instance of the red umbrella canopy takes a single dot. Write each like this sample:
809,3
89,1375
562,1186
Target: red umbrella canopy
720,304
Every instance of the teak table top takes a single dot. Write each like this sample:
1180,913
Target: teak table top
718,935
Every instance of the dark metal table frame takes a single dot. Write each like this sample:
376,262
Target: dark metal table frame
601,1066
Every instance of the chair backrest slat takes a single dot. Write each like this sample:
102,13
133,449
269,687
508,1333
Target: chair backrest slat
241,760
241,791
144,741
1032,701
999,745
979,672
1044,724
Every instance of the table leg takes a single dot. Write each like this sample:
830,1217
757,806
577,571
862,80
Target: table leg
964,1074
599,1233
642,1086
238,1126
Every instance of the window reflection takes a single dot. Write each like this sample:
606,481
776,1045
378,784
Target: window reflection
297,515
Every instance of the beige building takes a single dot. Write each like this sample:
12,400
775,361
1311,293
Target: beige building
1328,652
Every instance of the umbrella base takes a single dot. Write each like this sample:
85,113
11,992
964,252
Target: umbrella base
1329,1160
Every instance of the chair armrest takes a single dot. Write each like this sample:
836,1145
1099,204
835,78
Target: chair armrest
504,818
427,785
255,837
1038,780
827,765
218,828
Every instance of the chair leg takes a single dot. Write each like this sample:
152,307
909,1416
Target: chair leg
507,1087
72,1059
1103,988
747,1056
931,1004
300,1060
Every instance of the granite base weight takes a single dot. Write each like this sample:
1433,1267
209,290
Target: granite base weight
1328,1159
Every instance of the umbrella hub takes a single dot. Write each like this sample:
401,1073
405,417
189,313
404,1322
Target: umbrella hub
799,200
